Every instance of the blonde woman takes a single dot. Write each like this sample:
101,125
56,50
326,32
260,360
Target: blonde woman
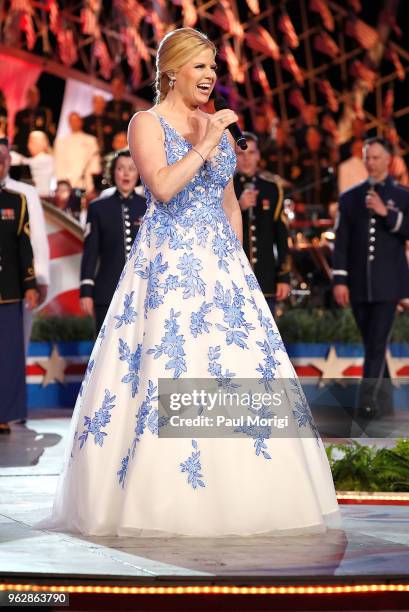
41,162
188,307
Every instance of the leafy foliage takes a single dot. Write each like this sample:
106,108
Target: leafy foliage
63,329
368,468
295,325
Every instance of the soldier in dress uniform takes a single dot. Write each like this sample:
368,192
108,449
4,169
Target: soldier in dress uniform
118,110
265,235
17,284
370,269
112,225
33,117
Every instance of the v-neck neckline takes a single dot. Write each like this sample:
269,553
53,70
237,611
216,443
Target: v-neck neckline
209,159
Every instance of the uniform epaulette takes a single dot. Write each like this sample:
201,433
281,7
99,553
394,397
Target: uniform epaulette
268,176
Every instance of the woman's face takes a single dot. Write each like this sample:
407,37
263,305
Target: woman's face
195,80
125,175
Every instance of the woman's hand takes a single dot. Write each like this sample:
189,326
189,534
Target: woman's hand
216,124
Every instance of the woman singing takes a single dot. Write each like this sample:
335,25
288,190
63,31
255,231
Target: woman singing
188,306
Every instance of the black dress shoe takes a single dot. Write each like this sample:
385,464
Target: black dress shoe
5,428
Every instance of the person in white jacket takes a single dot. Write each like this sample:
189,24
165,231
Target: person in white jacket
39,242
77,157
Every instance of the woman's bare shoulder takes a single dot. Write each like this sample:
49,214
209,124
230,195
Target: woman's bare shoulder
145,120
146,117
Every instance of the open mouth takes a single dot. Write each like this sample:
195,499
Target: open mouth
204,87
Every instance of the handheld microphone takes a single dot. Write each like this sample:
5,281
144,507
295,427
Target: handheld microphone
219,104
373,187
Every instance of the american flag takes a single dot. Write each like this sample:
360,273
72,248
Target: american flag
366,36
131,10
54,11
226,19
388,104
288,63
321,7
235,69
27,26
259,39
260,76
65,242
327,90
355,5
66,46
286,27
364,74
297,100
392,55
106,64
326,45
253,6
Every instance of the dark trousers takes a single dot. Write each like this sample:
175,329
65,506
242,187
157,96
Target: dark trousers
100,314
375,322
12,364
271,301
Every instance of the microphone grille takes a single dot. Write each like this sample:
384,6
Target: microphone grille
220,103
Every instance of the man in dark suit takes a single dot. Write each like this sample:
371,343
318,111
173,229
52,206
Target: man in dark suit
370,269
33,117
112,225
99,125
118,110
265,235
17,284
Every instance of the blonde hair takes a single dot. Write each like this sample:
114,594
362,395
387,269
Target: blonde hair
42,138
175,49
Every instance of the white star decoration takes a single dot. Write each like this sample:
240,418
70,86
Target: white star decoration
54,368
333,366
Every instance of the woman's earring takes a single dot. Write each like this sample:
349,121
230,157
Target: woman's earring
171,83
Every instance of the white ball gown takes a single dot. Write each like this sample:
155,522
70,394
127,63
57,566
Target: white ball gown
187,305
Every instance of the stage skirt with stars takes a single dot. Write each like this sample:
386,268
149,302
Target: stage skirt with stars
12,364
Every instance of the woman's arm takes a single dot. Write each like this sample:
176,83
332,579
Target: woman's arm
146,144
232,210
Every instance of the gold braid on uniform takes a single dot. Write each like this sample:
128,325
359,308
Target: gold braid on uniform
22,213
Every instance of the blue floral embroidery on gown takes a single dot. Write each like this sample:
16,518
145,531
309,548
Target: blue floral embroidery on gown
99,421
172,346
134,363
203,316
147,416
129,315
193,467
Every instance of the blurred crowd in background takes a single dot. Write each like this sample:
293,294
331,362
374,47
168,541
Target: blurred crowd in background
317,159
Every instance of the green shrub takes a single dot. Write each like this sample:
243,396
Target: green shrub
59,329
368,468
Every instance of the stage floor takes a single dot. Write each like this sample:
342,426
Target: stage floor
374,540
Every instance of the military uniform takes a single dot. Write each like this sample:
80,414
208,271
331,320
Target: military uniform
369,257
119,112
28,120
265,235
16,276
112,225
102,128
